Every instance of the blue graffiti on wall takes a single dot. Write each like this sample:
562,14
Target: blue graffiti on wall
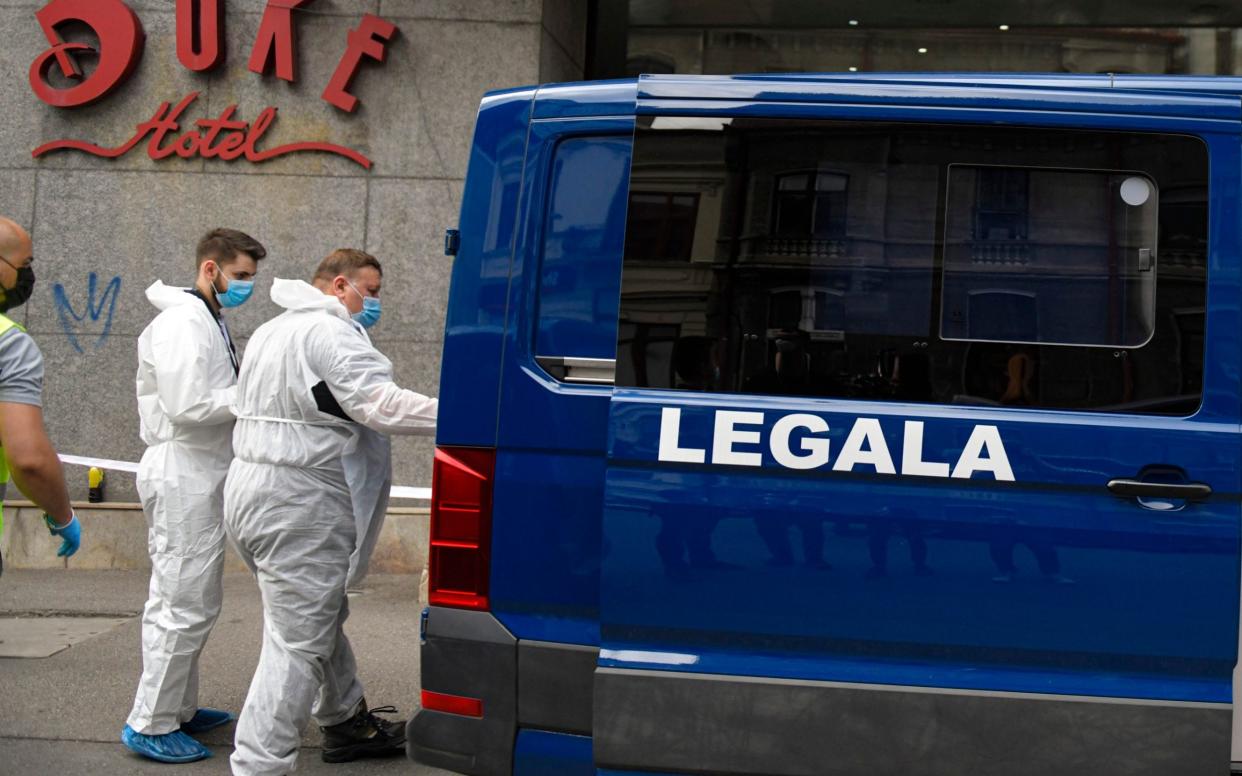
95,304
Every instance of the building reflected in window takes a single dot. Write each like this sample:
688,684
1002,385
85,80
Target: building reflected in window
916,262
664,225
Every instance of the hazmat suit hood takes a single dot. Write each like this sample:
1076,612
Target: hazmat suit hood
300,295
165,297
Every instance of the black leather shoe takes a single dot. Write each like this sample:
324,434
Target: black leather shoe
364,735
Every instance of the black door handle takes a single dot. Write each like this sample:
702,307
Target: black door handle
1191,491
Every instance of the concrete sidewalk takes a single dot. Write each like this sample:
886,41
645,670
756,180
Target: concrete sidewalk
64,714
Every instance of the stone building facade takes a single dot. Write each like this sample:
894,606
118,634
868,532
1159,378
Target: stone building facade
105,229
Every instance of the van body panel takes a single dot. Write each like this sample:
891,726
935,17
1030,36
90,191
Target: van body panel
1208,85
566,551
478,293
553,435
910,111
955,627
932,94
598,98
540,753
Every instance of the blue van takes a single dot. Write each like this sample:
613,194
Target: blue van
814,424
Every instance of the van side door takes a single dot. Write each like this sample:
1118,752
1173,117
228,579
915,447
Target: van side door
923,453
556,382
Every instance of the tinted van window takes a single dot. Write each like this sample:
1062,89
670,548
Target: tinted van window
963,265
582,248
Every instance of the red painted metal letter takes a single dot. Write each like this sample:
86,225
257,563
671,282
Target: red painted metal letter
200,33
368,40
277,40
120,48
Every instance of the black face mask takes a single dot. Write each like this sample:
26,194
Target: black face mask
20,293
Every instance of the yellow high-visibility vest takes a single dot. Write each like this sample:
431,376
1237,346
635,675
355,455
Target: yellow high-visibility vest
5,325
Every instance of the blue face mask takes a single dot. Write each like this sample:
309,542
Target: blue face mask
370,314
237,294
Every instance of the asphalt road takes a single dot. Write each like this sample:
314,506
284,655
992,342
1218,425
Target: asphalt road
64,714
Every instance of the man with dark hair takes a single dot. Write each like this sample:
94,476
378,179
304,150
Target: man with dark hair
315,402
228,242
24,444
187,373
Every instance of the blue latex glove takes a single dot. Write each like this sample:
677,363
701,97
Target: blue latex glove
71,533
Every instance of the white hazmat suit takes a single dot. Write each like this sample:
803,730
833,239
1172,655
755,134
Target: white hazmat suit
186,378
290,513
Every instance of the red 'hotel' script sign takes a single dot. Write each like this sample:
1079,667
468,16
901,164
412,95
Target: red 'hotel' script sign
200,47
222,138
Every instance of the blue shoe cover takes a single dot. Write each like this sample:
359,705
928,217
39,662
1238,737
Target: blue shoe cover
175,747
206,719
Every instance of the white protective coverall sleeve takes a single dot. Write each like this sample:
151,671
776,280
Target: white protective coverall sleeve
182,378
360,378
368,470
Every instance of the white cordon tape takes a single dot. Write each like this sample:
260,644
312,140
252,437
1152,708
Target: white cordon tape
405,491
398,491
116,466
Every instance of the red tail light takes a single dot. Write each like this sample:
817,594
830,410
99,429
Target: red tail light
452,704
461,527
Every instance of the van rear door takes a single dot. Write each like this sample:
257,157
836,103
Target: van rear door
924,447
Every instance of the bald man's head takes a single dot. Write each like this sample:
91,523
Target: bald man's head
15,243
16,275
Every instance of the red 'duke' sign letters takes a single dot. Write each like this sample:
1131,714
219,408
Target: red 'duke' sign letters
200,48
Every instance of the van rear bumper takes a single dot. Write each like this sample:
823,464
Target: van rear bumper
528,684
673,721
468,654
